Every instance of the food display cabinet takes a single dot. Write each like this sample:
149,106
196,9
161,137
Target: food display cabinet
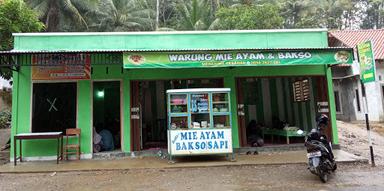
199,121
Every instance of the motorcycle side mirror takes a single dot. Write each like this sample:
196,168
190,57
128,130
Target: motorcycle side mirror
300,132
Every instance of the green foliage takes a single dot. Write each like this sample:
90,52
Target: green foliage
6,96
374,14
63,15
245,16
5,119
122,15
332,14
194,15
16,17
140,15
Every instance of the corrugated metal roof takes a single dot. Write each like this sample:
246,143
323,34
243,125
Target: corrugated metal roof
168,32
353,37
164,50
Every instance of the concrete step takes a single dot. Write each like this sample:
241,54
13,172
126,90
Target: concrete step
109,155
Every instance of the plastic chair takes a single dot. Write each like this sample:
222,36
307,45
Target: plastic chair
74,146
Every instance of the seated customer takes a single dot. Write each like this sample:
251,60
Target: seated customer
255,134
107,140
97,144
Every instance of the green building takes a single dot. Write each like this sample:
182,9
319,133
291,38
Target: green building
117,82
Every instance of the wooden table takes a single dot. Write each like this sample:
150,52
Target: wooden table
281,132
31,136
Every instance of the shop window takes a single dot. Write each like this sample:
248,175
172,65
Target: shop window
337,101
53,107
301,90
357,100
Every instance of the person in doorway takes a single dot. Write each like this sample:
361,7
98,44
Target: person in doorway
96,141
255,134
107,140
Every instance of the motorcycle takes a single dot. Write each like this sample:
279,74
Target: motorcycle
319,153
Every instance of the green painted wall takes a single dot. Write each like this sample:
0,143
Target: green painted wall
84,114
174,40
48,148
22,88
332,106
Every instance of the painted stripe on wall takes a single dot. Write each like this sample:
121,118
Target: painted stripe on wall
280,99
273,95
266,102
312,113
285,99
289,105
304,115
299,114
274,98
294,105
259,101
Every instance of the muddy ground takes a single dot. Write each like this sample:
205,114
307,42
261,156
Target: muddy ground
269,177
4,136
354,139
352,136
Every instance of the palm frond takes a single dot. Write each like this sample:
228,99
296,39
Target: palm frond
34,3
85,5
73,12
214,25
41,9
165,29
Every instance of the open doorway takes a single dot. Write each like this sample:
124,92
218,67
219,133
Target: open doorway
271,110
149,109
106,116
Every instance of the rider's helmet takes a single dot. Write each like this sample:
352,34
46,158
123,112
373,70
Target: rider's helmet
322,121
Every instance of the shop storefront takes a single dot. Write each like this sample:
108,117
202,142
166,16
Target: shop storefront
116,83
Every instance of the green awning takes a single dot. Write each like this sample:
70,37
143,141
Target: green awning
192,58
233,58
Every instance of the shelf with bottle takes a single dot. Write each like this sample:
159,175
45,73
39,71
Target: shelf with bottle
220,102
221,121
199,103
220,97
179,122
200,120
178,103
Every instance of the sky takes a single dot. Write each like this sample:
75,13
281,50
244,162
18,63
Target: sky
4,83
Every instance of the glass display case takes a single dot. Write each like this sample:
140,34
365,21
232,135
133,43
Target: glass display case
199,121
191,109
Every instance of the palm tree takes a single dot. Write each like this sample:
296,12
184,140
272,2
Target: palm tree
62,15
123,15
196,15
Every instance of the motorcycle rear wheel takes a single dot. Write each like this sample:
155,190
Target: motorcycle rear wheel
334,167
323,177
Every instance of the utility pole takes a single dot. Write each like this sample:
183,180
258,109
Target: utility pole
367,74
157,13
367,123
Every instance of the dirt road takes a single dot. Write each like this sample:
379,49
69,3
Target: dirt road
4,136
354,139
273,177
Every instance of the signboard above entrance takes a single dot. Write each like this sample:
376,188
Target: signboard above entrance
234,58
61,66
